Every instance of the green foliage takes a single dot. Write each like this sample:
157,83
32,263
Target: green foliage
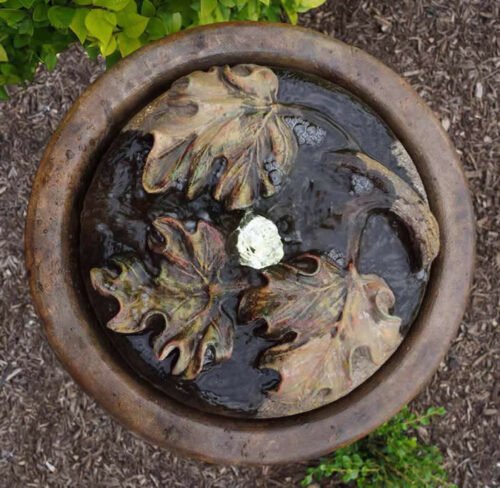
36,31
390,457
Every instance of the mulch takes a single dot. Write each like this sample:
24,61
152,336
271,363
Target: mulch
52,434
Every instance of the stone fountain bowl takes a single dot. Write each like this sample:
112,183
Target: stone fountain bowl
52,240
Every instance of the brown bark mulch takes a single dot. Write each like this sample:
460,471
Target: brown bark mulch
52,434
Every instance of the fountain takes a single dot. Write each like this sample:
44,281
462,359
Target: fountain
248,256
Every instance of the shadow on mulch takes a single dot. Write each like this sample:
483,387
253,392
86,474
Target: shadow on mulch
52,434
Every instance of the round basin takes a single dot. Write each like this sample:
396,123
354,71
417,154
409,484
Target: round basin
62,292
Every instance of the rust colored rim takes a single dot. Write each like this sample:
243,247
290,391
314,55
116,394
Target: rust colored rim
52,239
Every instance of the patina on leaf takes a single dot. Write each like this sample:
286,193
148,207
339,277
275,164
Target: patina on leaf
218,127
187,293
303,297
389,192
333,314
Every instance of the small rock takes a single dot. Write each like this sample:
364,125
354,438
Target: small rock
270,164
306,132
259,243
275,177
385,25
478,90
190,225
361,185
446,123
337,257
7,455
180,183
204,215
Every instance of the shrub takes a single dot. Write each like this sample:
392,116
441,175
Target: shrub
36,31
390,457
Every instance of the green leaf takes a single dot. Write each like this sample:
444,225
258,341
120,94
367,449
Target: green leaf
290,9
92,51
49,57
173,23
26,27
3,93
12,17
207,7
309,4
37,30
13,4
133,25
61,17
21,41
100,24
78,24
50,61
350,476
3,55
130,8
436,411
127,45
221,14
253,10
386,458
113,59
40,12
110,48
115,5
148,9
10,74
155,29
7,69
273,13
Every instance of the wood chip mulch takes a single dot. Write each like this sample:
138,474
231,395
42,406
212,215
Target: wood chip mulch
52,434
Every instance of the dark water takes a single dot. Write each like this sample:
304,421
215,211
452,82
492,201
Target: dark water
118,213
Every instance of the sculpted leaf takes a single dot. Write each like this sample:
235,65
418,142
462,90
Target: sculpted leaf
304,297
224,125
349,314
186,293
392,193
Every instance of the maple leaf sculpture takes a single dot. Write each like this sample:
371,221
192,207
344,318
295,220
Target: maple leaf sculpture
228,116
187,294
333,313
